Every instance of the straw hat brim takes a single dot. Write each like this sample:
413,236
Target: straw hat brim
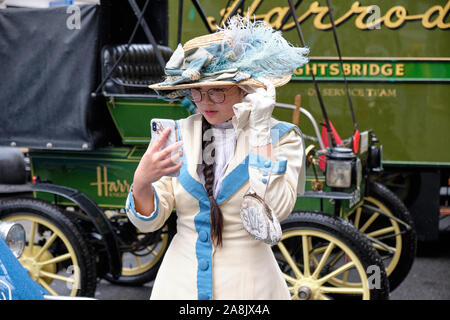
207,40
277,82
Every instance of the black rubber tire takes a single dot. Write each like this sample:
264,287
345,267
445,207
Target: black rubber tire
345,232
56,217
408,237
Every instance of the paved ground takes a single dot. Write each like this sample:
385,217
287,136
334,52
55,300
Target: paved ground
429,278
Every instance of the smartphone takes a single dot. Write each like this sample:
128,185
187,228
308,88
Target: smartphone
157,126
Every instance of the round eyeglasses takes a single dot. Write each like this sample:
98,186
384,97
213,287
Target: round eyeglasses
216,95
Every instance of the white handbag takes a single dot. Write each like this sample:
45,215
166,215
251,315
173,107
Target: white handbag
259,219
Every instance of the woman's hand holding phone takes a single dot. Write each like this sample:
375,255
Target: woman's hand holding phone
154,164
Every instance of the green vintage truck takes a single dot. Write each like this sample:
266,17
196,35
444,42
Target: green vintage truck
79,109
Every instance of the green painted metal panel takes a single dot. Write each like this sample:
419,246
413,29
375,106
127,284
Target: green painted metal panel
409,28
367,69
132,116
324,204
410,120
105,175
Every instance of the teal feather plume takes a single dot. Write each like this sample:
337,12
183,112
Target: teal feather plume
257,49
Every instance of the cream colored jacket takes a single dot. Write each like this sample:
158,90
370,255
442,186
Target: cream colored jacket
243,268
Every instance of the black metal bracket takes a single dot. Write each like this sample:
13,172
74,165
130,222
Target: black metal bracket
147,32
140,15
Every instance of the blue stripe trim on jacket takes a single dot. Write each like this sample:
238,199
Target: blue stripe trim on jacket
203,245
203,251
130,206
233,181
280,129
266,164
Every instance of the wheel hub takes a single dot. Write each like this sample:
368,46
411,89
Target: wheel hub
304,293
307,289
34,266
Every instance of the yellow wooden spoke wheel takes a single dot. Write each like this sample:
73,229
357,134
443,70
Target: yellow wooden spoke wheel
56,255
387,222
41,261
368,223
323,257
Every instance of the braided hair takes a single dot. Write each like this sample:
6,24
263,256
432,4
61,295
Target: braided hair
208,173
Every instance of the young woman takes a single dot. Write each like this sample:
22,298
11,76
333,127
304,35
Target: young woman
231,146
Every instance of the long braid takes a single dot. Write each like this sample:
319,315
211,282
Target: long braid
208,172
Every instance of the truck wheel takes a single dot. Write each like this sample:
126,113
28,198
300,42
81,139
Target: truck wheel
324,257
56,255
395,243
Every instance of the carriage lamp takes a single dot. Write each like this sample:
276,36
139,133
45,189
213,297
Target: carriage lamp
343,168
14,236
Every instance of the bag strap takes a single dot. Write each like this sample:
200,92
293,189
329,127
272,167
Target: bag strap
263,199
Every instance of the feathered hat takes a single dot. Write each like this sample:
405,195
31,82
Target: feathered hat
240,53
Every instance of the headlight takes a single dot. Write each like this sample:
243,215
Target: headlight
343,169
339,173
14,236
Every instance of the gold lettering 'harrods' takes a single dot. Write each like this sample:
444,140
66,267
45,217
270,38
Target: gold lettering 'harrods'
107,188
396,16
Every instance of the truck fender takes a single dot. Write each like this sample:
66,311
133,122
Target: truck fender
98,218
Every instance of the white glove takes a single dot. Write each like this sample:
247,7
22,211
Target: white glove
262,103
